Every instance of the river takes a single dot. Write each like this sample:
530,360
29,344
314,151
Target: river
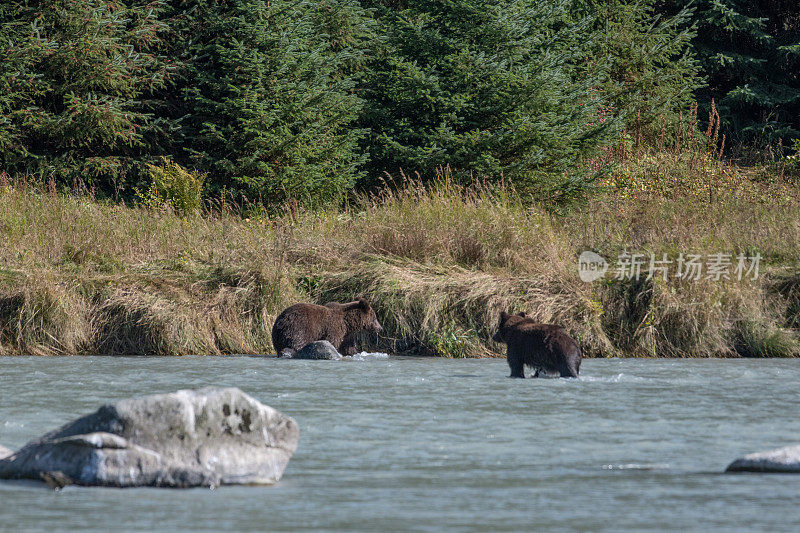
425,444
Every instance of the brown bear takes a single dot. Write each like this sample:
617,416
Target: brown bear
336,323
540,346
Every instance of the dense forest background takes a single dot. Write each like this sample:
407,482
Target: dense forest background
307,101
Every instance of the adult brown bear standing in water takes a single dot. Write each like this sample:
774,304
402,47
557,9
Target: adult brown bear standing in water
336,323
539,346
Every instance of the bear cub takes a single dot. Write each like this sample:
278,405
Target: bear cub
540,346
336,323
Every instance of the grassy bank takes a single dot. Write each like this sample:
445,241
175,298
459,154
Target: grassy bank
439,263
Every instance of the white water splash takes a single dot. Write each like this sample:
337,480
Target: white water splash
617,378
637,466
367,356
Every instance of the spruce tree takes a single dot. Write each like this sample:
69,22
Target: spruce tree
268,98
490,88
652,69
76,80
750,53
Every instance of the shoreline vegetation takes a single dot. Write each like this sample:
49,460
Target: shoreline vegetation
174,174
438,262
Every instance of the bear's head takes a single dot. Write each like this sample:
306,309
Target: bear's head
366,318
506,322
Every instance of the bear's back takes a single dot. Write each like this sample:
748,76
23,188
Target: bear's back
530,330
302,323
545,345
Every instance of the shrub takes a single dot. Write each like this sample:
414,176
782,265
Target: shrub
175,186
754,339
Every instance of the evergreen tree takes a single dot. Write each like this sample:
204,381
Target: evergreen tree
488,87
76,78
750,52
652,70
268,97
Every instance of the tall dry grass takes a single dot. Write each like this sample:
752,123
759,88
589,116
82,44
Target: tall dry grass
438,263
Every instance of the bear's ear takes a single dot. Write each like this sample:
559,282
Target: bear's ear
503,317
363,304
522,314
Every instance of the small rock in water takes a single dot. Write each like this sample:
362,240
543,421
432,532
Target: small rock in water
785,460
190,438
318,350
55,480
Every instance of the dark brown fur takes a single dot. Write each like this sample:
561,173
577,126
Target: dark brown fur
336,323
540,346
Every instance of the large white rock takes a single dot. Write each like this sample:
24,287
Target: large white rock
785,460
5,452
207,437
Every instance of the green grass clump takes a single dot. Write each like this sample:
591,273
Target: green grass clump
753,339
173,186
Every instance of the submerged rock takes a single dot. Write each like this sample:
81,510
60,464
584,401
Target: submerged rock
189,438
318,350
786,460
